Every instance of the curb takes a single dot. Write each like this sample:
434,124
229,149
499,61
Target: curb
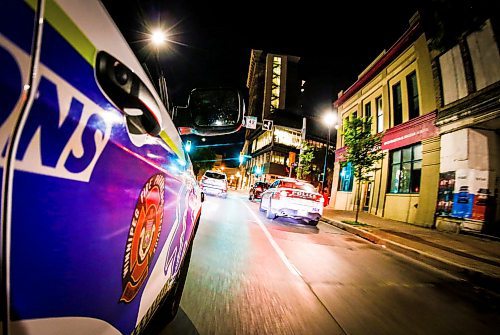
470,274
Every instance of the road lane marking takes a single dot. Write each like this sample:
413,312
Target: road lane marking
275,245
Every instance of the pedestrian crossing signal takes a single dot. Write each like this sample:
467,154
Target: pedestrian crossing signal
267,124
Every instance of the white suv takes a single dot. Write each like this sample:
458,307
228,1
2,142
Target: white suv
214,182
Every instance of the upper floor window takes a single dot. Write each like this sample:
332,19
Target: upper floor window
368,110
413,107
397,103
380,115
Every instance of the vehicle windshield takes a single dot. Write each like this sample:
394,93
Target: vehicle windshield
215,175
297,185
261,184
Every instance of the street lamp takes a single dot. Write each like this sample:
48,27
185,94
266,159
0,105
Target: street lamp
158,39
329,120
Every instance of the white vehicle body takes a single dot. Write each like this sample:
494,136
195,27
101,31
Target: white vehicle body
214,183
292,198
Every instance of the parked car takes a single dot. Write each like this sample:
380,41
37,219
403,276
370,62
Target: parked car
99,202
214,183
257,189
292,198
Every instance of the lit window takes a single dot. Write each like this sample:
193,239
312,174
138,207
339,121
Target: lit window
406,170
346,178
275,83
287,137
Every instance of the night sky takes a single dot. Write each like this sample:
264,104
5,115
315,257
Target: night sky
213,39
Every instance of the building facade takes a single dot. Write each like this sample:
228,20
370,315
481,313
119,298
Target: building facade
466,66
397,92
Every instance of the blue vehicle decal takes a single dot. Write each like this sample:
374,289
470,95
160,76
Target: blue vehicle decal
77,183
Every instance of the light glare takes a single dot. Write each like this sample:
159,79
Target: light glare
158,37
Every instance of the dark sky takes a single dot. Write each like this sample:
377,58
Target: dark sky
213,39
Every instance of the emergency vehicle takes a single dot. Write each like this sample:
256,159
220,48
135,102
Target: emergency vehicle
99,201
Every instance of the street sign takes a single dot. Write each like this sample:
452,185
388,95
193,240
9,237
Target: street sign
291,158
250,122
267,124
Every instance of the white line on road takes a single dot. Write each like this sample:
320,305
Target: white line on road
275,245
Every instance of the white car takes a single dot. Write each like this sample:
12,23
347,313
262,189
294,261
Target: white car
292,198
215,183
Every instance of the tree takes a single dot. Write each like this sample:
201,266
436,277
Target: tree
306,157
311,162
203,159
363,151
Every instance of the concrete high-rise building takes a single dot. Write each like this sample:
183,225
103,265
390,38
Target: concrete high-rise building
274,94
274,89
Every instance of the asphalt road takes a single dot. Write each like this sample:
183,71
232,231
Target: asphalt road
251,275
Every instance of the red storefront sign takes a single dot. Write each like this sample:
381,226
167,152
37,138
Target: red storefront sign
404,134
410,132
339,154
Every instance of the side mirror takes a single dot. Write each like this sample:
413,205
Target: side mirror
210,112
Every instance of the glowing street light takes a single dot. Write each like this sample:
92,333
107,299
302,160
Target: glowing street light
158,37
329,119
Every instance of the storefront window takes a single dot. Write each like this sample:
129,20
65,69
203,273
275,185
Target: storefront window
406,170
346,178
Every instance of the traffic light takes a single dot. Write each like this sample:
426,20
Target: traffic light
188,146
241,158
258,170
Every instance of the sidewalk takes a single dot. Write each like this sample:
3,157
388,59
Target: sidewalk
472,258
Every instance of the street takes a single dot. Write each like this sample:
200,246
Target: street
251,275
